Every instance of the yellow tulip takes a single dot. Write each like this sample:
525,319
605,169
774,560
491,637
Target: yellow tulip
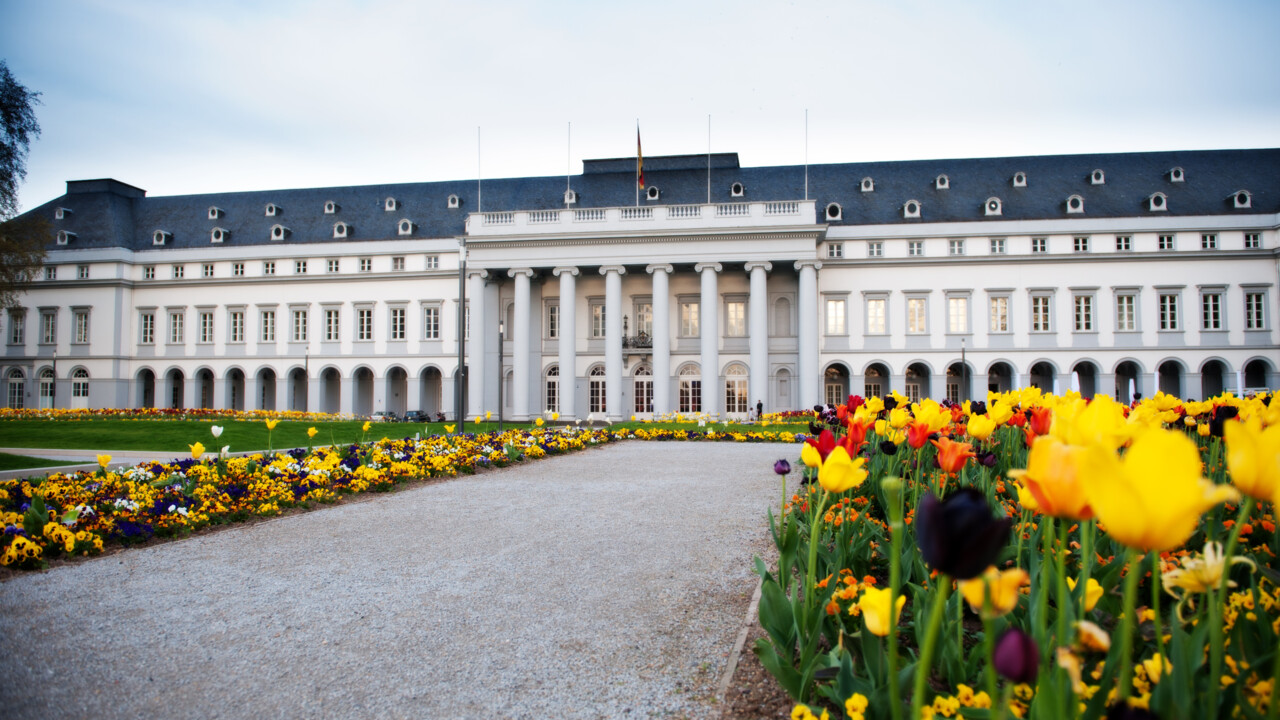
196,450
1092,592
488,414
449,429
479,419
555,416
1253,457
366,426
999,413
538,422
1157,667
839,472
1052,477
1153,497
899,417
311,432
874,605
810,456
271,424
1004,590
104,461
981,427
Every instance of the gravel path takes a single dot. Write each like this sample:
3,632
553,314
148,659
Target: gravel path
607,583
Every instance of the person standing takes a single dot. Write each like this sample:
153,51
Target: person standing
759,410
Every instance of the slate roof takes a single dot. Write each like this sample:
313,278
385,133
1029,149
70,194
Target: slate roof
106,213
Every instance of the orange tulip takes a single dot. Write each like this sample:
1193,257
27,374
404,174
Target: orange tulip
918,434
952,455
1052,479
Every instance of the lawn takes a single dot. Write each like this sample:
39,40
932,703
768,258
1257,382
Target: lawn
22,462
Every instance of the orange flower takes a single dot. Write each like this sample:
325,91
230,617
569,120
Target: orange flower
1041,420
1052,479
952,455
918,434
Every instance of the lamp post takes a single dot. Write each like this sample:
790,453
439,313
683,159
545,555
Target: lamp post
501,331
306,371
964,373
53,395
459,377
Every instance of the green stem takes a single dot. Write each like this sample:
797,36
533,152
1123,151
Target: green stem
1133,573
930,641
895,587
1086,565
1005,699
814,525
1217,605
1042,608
1155,608
989,641
1021,528
1061,558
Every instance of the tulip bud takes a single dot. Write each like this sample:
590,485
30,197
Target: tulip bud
782,467
1017,657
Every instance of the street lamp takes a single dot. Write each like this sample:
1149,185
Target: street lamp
502,327
53,396
964,373
459,376
306,386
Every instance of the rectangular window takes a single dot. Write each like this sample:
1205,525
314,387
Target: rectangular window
644,318
1083,313
80,385
206,270
1040,316
51,272
915,248
1254,311
268,320
269,267
689,319
82,272
736,319
366,264
299,325
955,246
875,249
397,263
48,328
82,327
916,317
1124,243
1126,313
206,327
364,324
237,269
958,314
1211,311
553,321
1252,241
176,334
835,250
237,326
597,320
332,265
1039,245
433,262
997,246
999,314
876,316
179,271
835,317
1165,242
17,327
431,323
1209,241
299,267
149,272
332,326
1168,311
397,323
1080,244
147,336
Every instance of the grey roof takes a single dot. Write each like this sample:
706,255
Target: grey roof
107,213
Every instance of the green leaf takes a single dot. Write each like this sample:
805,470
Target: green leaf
777,617
785,674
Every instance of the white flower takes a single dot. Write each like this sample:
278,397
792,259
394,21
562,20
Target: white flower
216,430
226,450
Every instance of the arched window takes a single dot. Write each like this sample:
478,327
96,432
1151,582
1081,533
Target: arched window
553,389
735,389
643,389
17,389
690,389
46,388
80,388
596,388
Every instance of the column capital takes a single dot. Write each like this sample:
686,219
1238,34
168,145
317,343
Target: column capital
815,264
606,269
765,264
660,267
527,272
715,266
562,270
477,272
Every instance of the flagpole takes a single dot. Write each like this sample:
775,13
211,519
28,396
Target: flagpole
479,204
708,158
568,160
806,153
638,161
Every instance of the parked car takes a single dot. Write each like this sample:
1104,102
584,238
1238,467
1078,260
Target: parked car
417,416
385,416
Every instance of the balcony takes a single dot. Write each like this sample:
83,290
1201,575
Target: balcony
642,219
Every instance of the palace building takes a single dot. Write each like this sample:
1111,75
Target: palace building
714,287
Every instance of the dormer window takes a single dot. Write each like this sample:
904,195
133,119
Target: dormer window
273,210
867,185
911,209
215,213
834,211
1097,177
1157,202
218,235
737,190
61,213
405,227
341,229
278,232
942,182
993,207
1242,200
1075,204
330,208
160,237
455,202
390,204
652,193
570,197
1019,179
65,237
1176,175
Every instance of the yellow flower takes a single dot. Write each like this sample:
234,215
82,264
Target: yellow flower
449,429
271,424
488,414
1052,478
479,419
855,705
538,422
1153,497
981,427
1092,592
1154,665
366,426
1069,661
874,605
1253,457
1004,590
1091,638
1200,574
104,461
555,416
311,432
810,456
839,472
196,450
999,413
899,417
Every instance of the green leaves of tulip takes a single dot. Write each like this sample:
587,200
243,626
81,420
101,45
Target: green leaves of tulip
959,536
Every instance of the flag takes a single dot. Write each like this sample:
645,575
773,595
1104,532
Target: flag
639,160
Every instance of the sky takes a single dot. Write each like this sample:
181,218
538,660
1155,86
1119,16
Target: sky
180,97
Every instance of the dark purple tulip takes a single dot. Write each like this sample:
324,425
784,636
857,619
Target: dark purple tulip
1017,657
988,459
782,467
890,403
959,536
1125,711
888,447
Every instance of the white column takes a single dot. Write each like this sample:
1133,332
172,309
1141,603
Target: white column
613,340
476,343
568,341
709,326
520,346
807,352
661,339
758,325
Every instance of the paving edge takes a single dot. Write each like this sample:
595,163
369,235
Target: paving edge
723,688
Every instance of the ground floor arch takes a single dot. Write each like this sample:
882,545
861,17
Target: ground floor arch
1085,378
430,391
330,390
1169,377
918,380
235,389
835,383
875,380
175,386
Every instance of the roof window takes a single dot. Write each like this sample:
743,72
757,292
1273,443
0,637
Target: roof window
278,232
867,185
454,201
218,235
942,182
1097,177
405,227
1242,200
390,204
61,213
273,210
160,237
570,197
1019,179
1075,204
652,192
737,190
65,237
1157,202
993,207
834,211
330,207
911,209
215,213
341,229
1176,175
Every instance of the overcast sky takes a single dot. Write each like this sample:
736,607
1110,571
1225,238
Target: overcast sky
184,97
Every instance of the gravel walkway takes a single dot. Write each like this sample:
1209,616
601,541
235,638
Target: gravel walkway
607,583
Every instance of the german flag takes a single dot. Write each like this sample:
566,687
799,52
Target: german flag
639,160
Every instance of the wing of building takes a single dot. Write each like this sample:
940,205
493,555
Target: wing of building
718,288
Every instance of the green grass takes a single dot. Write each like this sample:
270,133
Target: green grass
22,462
